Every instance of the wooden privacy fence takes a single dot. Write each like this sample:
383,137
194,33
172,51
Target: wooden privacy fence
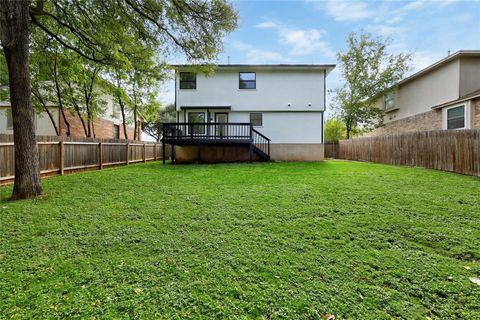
60,155
447,150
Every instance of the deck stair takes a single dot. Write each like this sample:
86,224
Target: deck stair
226,134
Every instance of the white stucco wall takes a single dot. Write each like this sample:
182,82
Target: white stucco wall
43,123
280,127
275,89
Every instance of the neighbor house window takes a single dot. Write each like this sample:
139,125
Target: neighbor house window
256,119
456,118
9,119
116,131
197,117
248,80
389,100
188,80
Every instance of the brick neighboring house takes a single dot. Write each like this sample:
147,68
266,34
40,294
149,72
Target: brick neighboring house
107,125
445,95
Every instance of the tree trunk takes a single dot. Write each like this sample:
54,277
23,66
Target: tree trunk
47,110
57,132
59,94
135,132
89,123
15,37
67,123
79,114
124,121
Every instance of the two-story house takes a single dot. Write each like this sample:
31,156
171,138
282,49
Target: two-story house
107,124
248,112
445,95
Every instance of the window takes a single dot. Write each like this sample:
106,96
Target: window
188,80
116,131
248,80
256,119
389,100
9,119
197,117
456,117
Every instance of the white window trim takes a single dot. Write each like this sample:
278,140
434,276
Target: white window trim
467,115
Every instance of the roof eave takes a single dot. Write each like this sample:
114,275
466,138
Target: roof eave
447,104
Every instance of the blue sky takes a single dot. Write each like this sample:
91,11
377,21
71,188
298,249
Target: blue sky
313,31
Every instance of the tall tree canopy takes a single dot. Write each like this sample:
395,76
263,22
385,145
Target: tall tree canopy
96,30
368,70
154,127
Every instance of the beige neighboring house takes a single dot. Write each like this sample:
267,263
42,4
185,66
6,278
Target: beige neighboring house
109,124
445,95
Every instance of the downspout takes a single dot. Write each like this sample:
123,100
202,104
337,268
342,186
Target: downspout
175,99
324,100
323,132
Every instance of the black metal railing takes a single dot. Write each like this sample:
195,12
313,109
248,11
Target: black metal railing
206,131
224,133
261,142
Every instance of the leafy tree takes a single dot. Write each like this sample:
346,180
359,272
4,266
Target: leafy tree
368,70
335,130
155,128
91,29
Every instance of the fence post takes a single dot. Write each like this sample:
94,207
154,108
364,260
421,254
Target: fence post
144,152
62,158
127,153
100,156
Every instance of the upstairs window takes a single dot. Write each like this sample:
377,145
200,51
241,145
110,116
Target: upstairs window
456,117
389,100
188,80
247,80
256,119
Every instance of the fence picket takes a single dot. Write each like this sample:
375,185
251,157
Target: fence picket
59,155
447,150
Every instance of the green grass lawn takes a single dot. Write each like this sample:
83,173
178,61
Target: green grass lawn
261,240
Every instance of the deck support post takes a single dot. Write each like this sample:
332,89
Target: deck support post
250,153
198,153
163,152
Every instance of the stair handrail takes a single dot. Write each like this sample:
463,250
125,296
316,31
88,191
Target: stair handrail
262,144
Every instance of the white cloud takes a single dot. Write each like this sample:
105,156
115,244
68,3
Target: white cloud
444,3
266,24
413,5
302,41
423,59
348,10
256,55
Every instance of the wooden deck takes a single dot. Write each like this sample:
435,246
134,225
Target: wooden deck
220,134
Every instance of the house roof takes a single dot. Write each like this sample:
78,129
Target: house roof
205,107
327,67
451,57
472,95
